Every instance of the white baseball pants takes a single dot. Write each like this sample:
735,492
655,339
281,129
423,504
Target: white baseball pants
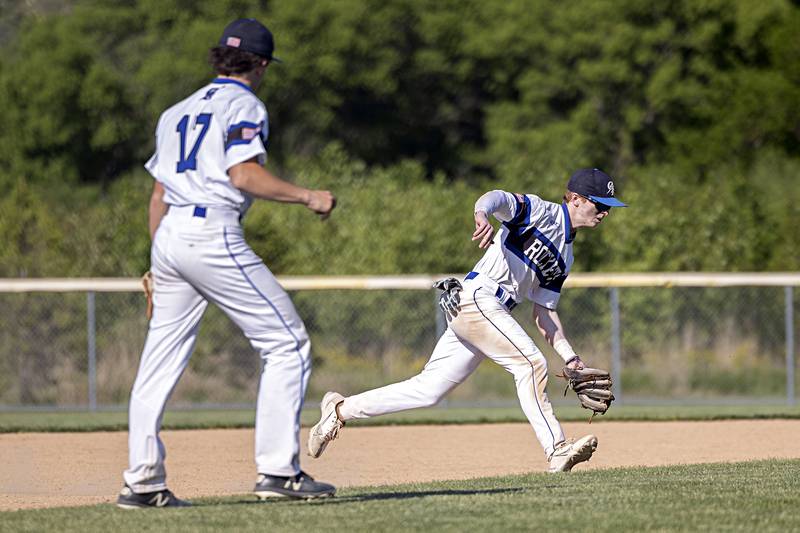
196,259
483,328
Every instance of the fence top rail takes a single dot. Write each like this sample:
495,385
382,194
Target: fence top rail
424,281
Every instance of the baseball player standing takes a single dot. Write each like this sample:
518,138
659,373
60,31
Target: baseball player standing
530,257
208,166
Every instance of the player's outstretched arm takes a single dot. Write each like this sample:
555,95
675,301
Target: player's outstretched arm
252,178
549,325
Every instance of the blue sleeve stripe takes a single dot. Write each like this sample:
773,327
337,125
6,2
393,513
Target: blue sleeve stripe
523,213
243,124
234,135
528,211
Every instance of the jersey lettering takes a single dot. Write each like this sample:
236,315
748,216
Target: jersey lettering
190,163
532,252
536,251
545,261
193,149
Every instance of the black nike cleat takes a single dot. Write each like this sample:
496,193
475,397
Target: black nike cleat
300,486
162,498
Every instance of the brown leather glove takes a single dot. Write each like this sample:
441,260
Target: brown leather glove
149,286
593,387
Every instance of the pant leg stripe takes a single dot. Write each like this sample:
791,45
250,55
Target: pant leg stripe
533,369
303,368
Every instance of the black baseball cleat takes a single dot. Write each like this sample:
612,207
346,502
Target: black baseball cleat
162,498
300,486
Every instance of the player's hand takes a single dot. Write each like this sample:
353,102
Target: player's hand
483,230
321,202
576,363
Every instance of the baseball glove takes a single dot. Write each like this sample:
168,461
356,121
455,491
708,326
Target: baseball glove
449,300
148,286
593,387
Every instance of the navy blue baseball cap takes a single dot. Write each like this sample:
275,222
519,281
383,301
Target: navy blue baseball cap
251,36
595,185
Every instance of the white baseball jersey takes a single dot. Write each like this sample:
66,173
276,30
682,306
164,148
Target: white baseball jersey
230,124
199,255
531,255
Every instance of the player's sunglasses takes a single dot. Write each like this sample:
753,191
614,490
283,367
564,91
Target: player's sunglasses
597,205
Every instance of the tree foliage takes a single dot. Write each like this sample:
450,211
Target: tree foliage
408,110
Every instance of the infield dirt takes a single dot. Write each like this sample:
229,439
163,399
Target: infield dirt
63,469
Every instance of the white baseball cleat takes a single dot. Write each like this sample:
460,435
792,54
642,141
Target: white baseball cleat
569,453
328,426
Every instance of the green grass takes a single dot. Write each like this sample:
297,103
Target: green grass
752,496
117,421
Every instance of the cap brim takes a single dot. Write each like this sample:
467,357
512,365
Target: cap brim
607,200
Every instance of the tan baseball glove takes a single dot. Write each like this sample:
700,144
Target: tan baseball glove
593,387
148,286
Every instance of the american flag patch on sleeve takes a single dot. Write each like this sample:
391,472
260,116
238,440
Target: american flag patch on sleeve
243,133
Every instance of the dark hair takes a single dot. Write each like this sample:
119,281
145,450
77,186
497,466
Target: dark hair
227,60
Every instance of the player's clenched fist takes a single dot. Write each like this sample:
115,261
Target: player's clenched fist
321,202
483,230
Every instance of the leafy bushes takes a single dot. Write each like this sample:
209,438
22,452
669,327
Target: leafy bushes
408,111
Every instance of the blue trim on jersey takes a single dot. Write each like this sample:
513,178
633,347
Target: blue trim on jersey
569,234
529,210
533,368
240,125
226,81
523,212
303,368
515,243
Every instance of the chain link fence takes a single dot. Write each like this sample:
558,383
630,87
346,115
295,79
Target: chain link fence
664,344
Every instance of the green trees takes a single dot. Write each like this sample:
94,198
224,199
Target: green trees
410,109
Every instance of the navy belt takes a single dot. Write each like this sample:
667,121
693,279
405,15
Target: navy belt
199,211
502,296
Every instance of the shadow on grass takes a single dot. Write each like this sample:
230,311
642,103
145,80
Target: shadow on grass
376,497
419,494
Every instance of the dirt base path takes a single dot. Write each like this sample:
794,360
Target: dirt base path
60,469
